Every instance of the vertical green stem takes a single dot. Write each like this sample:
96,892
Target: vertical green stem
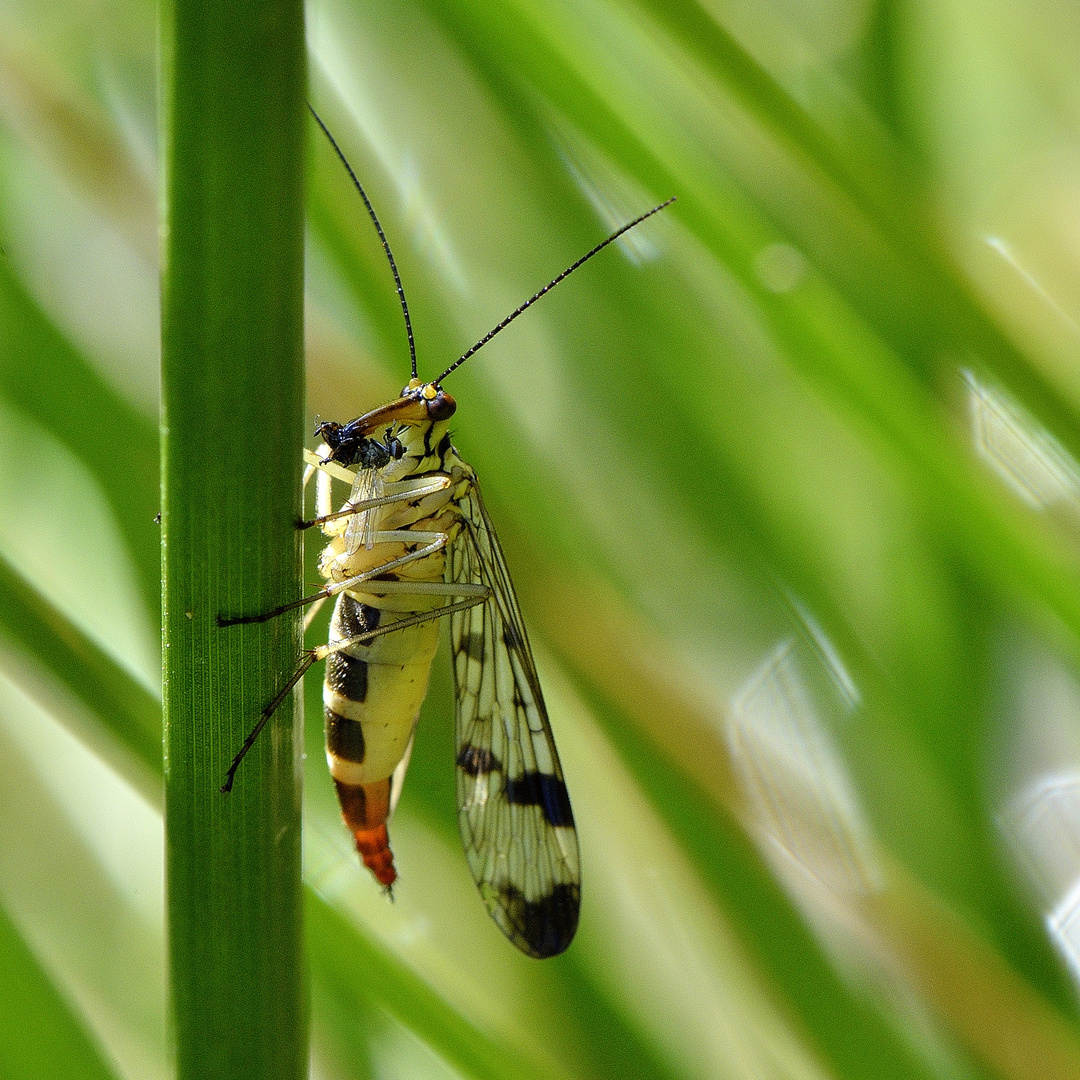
232,426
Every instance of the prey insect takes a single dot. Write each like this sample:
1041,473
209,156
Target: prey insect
413,544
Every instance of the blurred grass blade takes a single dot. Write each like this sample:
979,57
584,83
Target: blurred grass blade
41,369
823,334
343,956
67,396
531,45
965,979
44,635
232,428
39,1034
1013,1029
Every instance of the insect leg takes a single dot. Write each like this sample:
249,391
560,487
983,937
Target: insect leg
441,484
472,599
331,468
312,656
297,675
438,541
398,492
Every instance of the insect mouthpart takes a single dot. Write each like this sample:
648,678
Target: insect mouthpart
349,447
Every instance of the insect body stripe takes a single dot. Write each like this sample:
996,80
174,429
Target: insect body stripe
364,809
344,737
347,675
374,848
354,618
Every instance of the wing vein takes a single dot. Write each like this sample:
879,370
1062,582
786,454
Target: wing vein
514,813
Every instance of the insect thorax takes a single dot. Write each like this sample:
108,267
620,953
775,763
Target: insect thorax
425,453
426,447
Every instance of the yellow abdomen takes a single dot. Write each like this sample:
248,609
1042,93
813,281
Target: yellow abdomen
373,690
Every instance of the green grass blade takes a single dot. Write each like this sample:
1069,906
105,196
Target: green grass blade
915,284
50,381
39,1034
345,958
232,388
45,636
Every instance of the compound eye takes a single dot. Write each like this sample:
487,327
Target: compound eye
441,407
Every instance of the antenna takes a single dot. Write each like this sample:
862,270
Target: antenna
549,286
378,228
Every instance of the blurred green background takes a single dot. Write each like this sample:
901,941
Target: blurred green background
787,479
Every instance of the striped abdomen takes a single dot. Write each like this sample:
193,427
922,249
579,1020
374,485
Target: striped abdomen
372,697
373,691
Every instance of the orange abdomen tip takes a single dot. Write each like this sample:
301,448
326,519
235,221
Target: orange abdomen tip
374,848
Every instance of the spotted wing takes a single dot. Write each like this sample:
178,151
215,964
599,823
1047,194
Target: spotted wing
513,808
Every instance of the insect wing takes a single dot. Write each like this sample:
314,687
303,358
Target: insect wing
360,531
513,808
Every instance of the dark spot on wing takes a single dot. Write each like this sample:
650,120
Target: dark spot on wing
543,927
472,645
348,676
544,790
511,639
344,737
353,618
475,760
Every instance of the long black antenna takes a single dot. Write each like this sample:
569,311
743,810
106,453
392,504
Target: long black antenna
378,228
551,285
